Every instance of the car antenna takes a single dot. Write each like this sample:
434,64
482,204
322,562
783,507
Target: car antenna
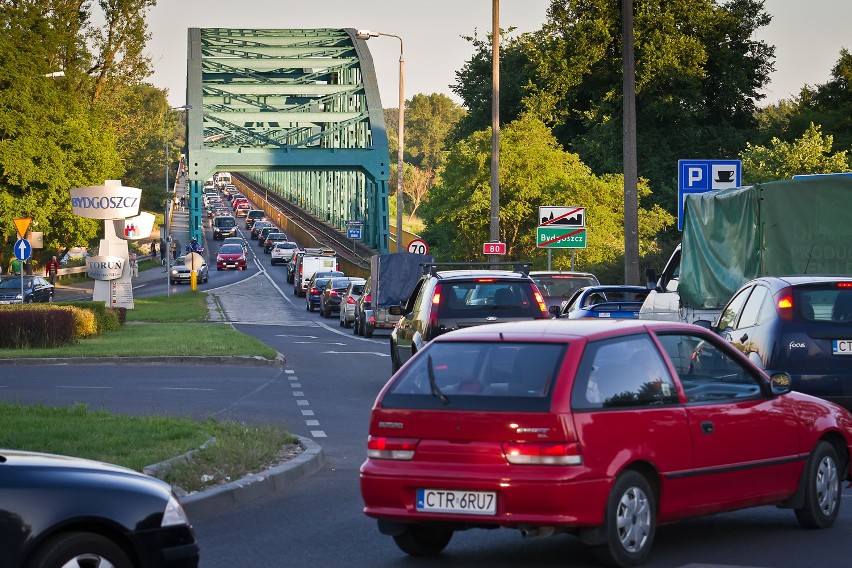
810,254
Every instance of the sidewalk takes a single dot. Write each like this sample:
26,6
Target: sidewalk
179,228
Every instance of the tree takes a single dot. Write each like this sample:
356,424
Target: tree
698,74
428,121
810,154
119,46
534,171
51,140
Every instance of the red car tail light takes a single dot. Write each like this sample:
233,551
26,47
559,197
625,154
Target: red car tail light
784,304
384,448
333,294
368,298
433,311
350,301
314,291
542,453
844,284
540,301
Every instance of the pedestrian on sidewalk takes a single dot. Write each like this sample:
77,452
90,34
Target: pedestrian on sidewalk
176,249
182,202
134,264
15,266
51,269
162,252
153,250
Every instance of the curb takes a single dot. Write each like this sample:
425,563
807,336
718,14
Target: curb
257,485
249,361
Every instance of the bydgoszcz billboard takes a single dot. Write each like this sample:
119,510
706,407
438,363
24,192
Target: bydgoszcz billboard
104,267
105,201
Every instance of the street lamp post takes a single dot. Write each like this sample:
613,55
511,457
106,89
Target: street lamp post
366,34
167,237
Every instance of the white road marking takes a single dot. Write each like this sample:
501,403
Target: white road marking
298,393
302,402
305,336
81,387
185,389
307,413
318,434
311,422
296,385
358,352
320,343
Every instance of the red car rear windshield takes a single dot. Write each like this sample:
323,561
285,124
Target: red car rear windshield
499,376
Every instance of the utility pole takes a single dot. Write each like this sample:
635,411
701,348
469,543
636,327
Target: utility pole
631,175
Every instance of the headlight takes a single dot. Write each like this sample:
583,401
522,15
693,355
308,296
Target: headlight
174,514
174,272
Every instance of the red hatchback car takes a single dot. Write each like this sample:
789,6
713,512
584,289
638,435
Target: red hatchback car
231,256
602,429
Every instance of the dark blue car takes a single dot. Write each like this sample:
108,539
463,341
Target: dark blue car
316,285
613,302
798,325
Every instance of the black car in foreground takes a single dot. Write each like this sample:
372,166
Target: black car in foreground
798,325
36,289
58,511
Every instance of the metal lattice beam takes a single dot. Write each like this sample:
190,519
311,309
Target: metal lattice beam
300,102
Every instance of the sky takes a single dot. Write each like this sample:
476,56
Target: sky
808,35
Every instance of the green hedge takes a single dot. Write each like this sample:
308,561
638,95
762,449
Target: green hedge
107,319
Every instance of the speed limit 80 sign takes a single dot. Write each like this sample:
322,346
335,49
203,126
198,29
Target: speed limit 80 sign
418,246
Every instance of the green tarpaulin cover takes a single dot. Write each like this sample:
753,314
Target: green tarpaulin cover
800,226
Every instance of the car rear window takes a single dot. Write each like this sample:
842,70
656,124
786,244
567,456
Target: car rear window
563,285
225,222
827,303
473,298
499,376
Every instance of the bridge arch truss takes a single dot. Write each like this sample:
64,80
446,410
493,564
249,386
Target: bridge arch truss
298,111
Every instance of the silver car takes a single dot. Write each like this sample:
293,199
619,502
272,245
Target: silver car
282,252
347,302
180,272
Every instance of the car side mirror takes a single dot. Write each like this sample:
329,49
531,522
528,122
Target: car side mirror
781,383
706,324
395,310
555,310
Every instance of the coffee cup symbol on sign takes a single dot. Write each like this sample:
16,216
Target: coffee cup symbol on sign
725,176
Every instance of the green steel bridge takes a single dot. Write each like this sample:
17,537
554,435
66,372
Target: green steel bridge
296,110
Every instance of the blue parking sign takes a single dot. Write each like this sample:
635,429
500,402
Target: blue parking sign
698,176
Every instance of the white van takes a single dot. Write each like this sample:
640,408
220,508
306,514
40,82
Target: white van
311,261
223,179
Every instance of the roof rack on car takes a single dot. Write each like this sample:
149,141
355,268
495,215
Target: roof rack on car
431,268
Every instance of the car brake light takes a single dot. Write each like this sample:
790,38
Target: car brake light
349,300
433,311
485,280
332,294
391,448
784,304
314,291
844,284
540,301
542,453
368,298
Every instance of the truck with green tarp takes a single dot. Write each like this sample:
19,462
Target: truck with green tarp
730,236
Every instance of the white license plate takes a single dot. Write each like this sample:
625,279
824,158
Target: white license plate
841,346
456,501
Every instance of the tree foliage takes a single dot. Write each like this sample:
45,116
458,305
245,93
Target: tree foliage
534,171
698,76
74,130
828,106
809,154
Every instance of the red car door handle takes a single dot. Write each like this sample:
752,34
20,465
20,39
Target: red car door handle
707,427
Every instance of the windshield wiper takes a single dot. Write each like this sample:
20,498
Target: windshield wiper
433,384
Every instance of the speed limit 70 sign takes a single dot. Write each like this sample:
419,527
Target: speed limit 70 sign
418,246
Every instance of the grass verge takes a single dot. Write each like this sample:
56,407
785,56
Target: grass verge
157,327
138,441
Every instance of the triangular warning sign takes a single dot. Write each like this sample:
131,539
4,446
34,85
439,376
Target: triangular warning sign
23,225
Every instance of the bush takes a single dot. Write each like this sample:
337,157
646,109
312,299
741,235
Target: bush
107,319
23,327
